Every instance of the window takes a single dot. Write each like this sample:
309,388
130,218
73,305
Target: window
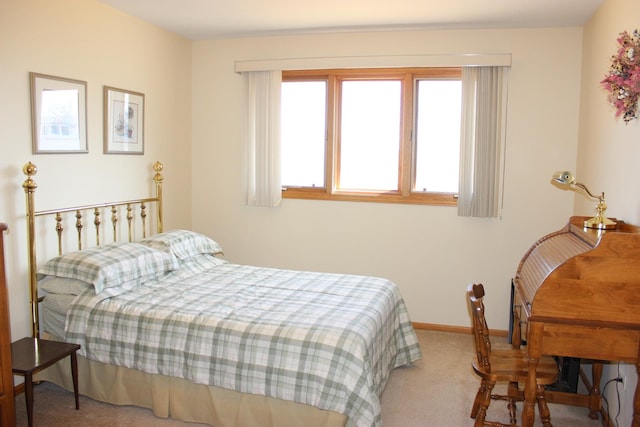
383,135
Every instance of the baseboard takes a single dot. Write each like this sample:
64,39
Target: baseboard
455,329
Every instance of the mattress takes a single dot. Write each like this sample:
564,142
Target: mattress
54,309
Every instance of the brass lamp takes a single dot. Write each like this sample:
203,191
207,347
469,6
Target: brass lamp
599,221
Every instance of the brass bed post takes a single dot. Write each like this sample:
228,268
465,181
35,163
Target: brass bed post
114,222
130,221
30,186
97,221
79,226
59,230
158,178
143,218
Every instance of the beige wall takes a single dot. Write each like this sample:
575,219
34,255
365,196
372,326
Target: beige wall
609,150
428,251
193,110
88,41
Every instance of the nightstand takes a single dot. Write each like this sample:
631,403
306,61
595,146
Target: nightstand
31,355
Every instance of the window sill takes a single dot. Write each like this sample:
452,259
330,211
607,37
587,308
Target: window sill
434,199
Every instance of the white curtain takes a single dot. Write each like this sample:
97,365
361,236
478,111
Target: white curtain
262,138
482,134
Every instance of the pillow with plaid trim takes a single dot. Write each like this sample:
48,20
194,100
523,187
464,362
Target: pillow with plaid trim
63,285
183,244
109,266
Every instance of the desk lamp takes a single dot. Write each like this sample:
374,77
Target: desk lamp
599,221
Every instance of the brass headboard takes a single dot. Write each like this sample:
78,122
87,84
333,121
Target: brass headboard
30,186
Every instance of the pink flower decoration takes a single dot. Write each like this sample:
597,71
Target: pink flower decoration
623,80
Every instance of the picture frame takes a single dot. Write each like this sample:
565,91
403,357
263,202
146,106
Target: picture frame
58,114
123,121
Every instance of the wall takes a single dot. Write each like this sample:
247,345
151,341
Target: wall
430,252
86,40
195,125
608,151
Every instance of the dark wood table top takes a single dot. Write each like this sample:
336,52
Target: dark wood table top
33,354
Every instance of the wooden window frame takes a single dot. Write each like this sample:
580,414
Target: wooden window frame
406,169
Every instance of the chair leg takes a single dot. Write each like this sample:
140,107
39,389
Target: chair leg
545,415
487,387
476,402
512,393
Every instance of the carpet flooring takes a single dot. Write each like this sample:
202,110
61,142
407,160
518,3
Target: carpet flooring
437,391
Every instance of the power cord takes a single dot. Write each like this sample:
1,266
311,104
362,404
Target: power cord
618,380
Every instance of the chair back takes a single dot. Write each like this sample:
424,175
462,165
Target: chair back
480,328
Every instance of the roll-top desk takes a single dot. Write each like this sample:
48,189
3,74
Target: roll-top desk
577,294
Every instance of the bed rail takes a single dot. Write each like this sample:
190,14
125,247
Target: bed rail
81,213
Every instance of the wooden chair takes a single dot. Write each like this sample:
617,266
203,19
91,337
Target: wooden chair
507,366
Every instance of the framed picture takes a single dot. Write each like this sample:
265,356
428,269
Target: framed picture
58,114
123,121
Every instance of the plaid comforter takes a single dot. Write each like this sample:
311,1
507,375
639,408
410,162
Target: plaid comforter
326,340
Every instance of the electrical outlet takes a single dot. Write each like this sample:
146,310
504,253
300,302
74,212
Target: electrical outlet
623,380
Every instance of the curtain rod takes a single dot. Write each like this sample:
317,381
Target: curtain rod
318,63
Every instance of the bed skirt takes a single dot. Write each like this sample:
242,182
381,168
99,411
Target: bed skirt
171,397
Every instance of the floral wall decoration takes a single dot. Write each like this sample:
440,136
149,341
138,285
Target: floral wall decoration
623,80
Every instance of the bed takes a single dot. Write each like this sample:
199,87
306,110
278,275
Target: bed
165,322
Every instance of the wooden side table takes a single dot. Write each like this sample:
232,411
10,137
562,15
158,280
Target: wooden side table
31,355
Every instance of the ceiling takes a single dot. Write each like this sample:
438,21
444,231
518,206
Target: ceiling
211,19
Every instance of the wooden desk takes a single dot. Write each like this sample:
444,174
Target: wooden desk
600,342
579,292
31,355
